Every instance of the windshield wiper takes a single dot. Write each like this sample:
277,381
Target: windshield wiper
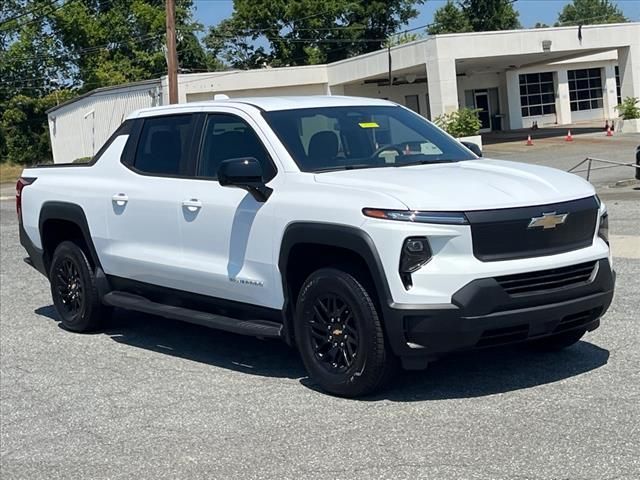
422,162
346,167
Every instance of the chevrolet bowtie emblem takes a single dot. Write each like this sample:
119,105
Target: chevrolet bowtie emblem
548,220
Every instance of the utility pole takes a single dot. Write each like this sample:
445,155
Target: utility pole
172,55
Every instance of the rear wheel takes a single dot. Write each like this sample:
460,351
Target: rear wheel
557,342
73,288
339,335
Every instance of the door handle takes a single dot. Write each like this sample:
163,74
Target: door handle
192,205
120,199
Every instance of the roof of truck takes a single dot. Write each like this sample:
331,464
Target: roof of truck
266,103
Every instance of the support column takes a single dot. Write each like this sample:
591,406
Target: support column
629,65
513,99
563,105
441,80
609,93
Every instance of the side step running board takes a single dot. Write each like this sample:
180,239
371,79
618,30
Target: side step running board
255,328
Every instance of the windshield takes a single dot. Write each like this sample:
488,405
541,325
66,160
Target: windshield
344,138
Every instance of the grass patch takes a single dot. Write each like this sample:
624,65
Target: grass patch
9,173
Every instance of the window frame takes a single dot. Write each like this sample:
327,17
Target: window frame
524,81
201,142
133,144
578,92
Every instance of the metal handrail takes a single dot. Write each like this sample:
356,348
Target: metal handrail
611,162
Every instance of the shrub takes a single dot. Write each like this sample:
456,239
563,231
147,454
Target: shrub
82,160
628,108
461,123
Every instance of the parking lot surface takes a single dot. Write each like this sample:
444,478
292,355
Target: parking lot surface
154,398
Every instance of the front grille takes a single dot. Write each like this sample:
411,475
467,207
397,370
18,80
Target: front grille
546,280
505,234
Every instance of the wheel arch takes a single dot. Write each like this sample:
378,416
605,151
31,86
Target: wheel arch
61,221
316,241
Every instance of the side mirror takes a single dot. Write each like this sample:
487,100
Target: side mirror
473,147
245,173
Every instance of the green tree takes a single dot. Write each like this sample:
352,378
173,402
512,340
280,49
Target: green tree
401,39
491,15
51,50
474,16
449,19
302,32
585,12
123,40
24,127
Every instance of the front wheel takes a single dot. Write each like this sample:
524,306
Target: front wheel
339,335
555,343
73,288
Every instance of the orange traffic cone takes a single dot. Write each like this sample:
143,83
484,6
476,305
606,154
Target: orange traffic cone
529,141
569,137
609,132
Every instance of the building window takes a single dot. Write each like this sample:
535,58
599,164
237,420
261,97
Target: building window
618,91
585,89
412,102
537,95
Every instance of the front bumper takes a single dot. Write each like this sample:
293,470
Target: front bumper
483,314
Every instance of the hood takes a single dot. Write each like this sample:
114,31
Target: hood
463,186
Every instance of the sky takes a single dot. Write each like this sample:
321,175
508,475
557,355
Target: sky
210,12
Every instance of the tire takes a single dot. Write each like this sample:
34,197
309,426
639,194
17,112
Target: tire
73,288
339,335
555,343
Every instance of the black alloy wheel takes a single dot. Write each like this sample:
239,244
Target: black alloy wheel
73,289
334,333
68,284
339,334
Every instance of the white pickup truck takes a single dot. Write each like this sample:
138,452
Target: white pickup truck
351,228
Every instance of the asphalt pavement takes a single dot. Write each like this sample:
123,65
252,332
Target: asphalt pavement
151,398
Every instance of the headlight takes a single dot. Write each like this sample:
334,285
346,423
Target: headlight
603,229
446,218
416,251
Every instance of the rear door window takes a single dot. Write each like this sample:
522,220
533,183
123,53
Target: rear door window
164,145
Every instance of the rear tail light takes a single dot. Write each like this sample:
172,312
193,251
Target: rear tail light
22,182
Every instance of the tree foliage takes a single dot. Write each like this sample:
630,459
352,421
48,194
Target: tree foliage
491,15
303,32
449,19
51,50
23,124
474,16
585,12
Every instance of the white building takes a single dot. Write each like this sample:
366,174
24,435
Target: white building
559,75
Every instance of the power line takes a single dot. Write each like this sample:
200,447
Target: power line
36,19
24,14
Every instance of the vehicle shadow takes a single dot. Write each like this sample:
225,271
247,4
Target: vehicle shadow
493,371
457,376
240,353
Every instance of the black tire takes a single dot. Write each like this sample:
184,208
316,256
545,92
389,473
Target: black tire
73,288
335,304
555,343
